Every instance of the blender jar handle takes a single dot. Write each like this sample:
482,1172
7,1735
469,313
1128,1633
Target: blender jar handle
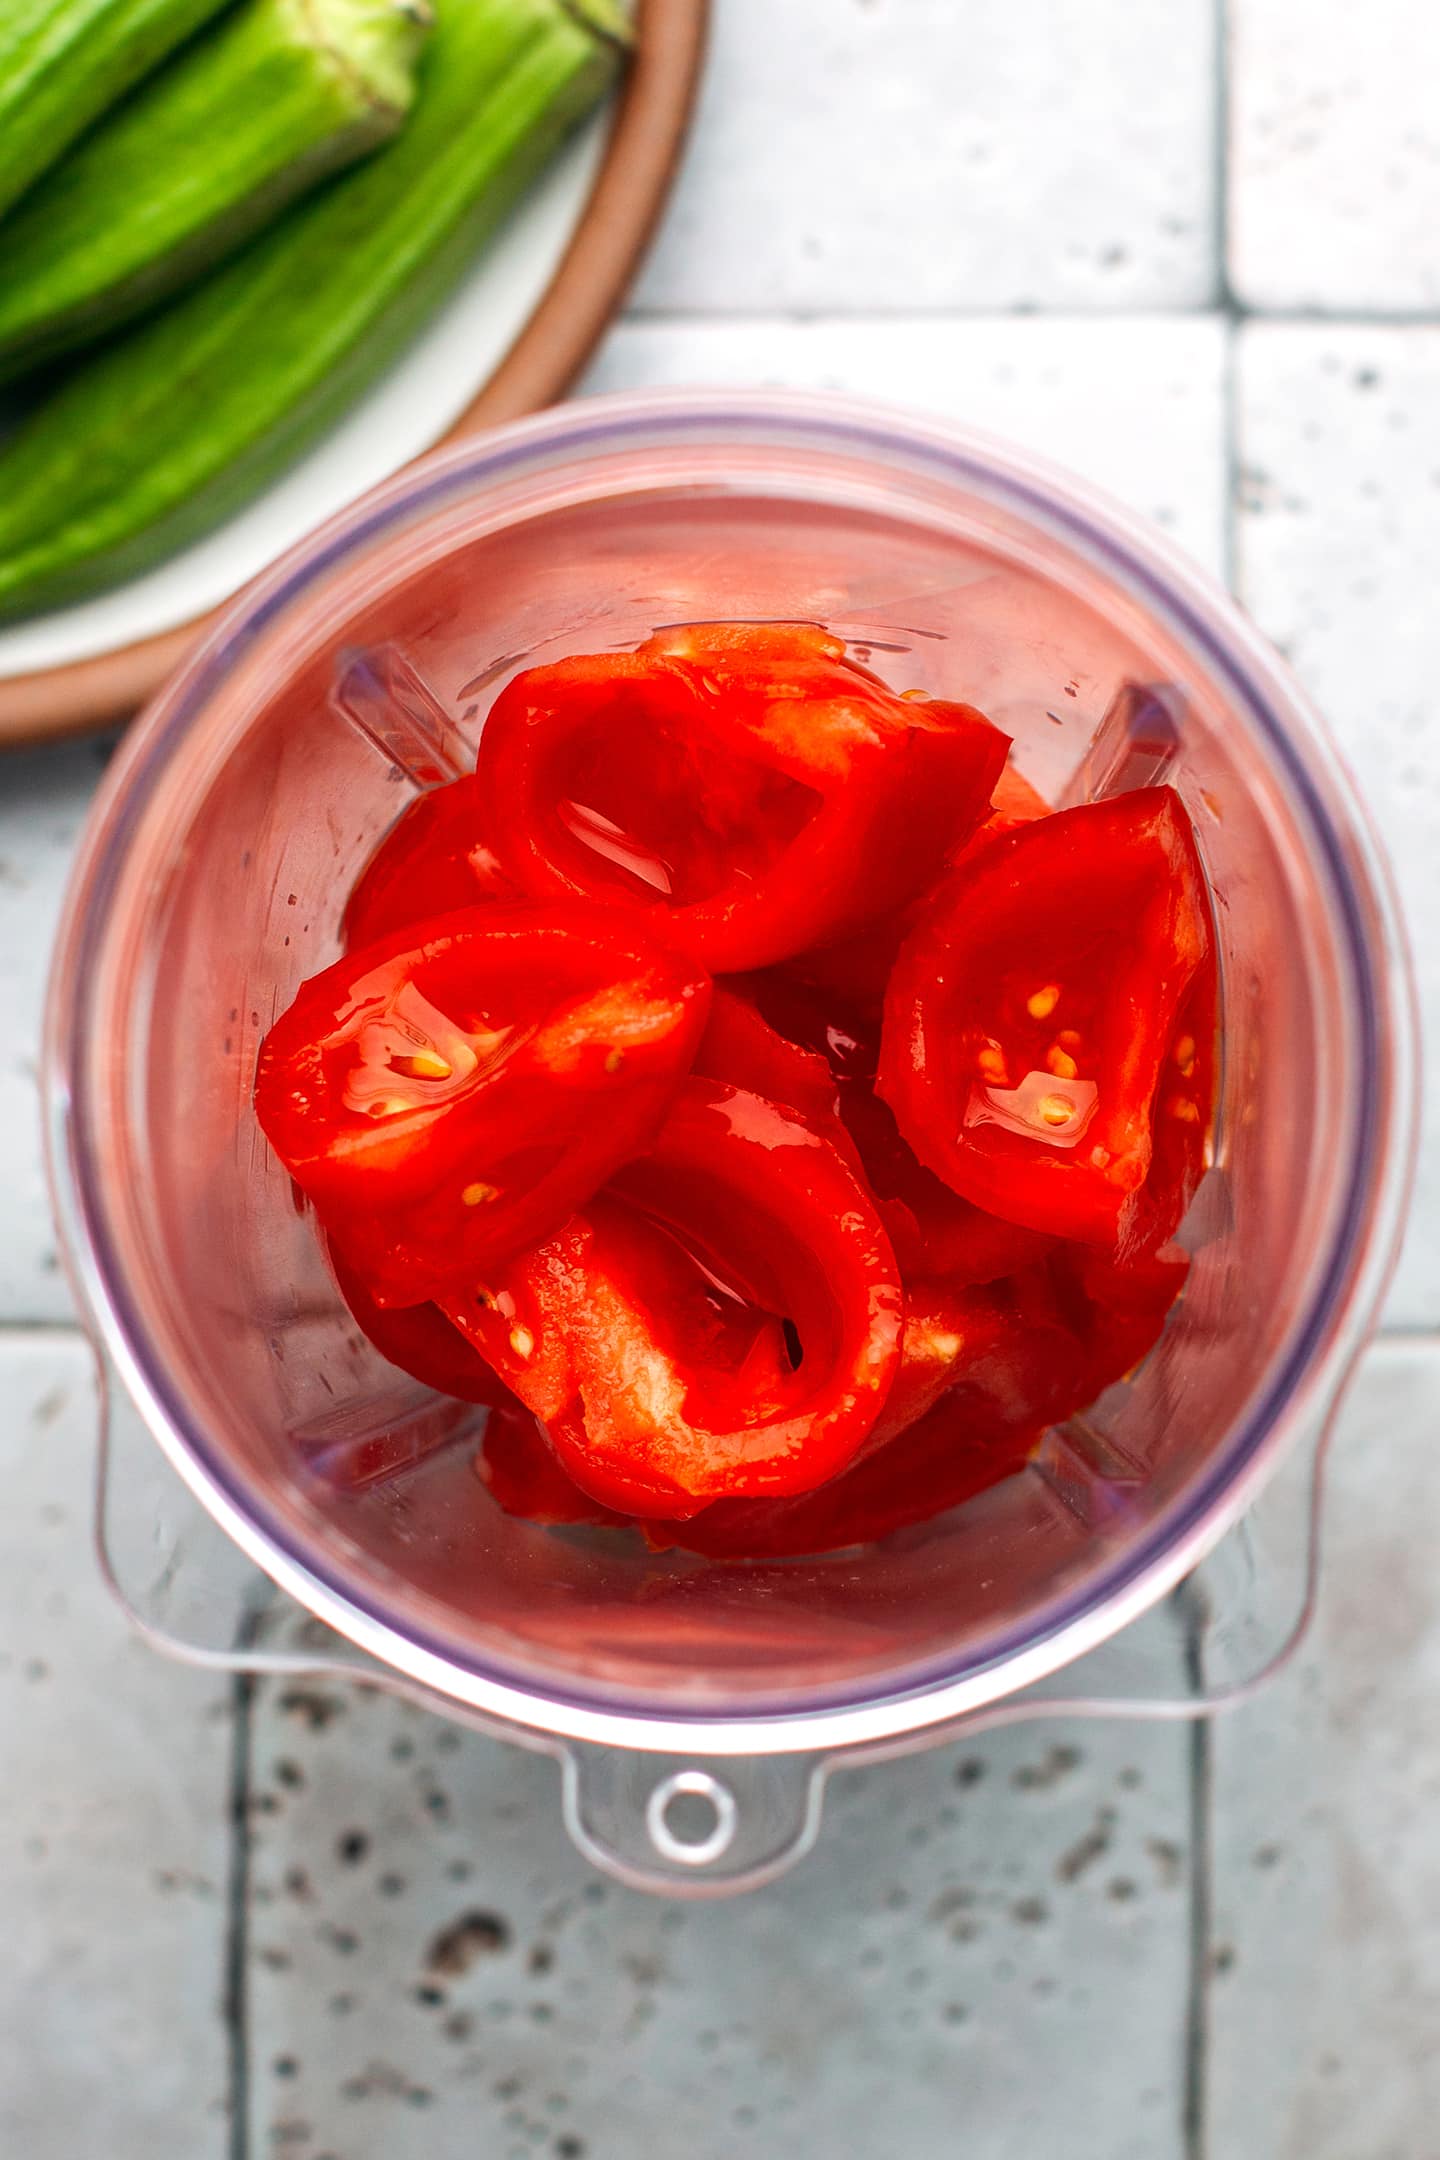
691,1826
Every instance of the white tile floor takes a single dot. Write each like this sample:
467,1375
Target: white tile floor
1011,213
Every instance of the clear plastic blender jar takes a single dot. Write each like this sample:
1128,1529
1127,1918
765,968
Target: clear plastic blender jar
211,882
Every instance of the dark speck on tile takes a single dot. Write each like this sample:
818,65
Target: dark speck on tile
1168,1858
285,2066
475,1934
352,1847
1057,1763
313,1706
970,1771
541,1957
1030,1911
390,1885
1086,1850
1121,1889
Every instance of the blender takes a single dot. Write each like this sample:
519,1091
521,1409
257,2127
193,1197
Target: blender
276,1497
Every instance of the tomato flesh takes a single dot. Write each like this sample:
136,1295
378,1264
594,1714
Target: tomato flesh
792,1260
724,1318
1029,1011
431,862
749,781
445,1097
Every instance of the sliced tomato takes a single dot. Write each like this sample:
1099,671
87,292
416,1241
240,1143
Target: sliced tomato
856,969
748,779
724,1318
1030,1010
421,1341
740,1046
934,1232
1184,1116
447,1096
1116,1308
518,1467
1022,1369
431,862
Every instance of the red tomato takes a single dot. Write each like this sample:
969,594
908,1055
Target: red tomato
747,778
1021,1369
856,969
431,862
1013,803
1184,1111
518,1467
422,1342
934,1232
1116,1308
723,1318
741,1047
1030,1009
446,1097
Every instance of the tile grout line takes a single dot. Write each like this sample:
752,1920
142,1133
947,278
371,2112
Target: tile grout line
1226,298
1194,2095
236,1984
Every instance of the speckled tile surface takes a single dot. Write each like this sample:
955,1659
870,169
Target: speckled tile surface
434,1969
1325,1991
1335,159
866,155
115,1843
1339,509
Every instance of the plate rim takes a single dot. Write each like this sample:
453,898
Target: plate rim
637,168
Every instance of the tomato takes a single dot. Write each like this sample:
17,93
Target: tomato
422,1342
1116,1308
747,779
431,862
518,1468
1014,802
1030,1009
1021,1370
740,1046
447,1096
856,969
724,1318
1184,1113
934,1232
